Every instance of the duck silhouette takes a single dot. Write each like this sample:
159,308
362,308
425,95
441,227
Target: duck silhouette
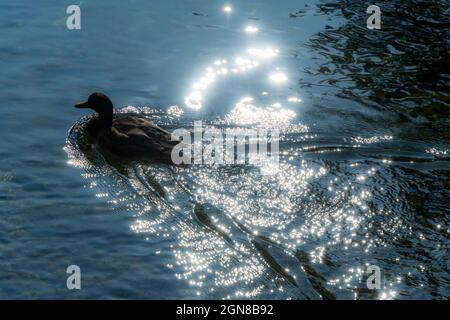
128,136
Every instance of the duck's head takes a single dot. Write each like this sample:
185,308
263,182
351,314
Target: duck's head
98,102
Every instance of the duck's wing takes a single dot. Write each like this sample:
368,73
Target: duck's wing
138,126
134,140
140,137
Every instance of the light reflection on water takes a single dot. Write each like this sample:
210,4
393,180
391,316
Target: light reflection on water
238,234
246,113
221,68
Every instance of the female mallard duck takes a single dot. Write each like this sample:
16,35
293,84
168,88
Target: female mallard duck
127,135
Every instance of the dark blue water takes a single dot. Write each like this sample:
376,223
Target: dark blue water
364,117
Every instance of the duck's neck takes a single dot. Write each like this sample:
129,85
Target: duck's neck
105,119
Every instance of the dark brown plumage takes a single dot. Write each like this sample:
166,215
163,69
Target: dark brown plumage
128,136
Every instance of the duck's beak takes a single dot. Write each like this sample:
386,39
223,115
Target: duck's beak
82,105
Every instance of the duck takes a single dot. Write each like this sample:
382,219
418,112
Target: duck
126,136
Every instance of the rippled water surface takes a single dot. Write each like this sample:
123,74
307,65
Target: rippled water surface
364,140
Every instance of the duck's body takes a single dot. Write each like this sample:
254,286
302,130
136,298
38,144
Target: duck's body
134,137
128,136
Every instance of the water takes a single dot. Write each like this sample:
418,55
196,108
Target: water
365,165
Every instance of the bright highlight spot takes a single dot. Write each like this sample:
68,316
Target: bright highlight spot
246,112
278,77
175,111
194,100
294,100
251,29
227,9
263,53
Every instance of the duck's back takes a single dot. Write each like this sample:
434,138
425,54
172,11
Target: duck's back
131,123
133,136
